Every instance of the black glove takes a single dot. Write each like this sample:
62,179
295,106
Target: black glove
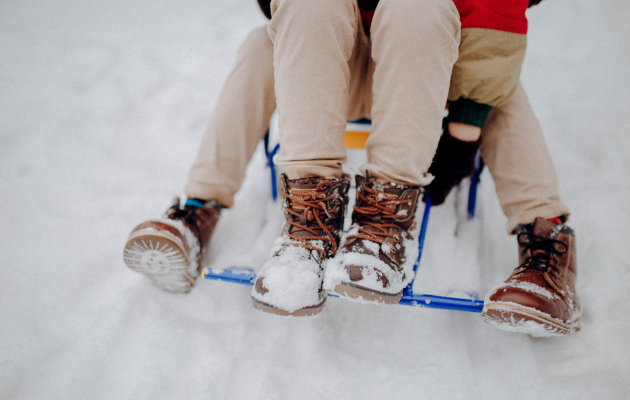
533,2
368,5
454,160
265,7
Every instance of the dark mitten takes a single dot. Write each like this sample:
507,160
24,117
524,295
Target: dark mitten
368,5
454,160
534,2
265,7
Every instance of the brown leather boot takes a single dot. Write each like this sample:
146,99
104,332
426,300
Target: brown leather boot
539,297
376,262
169,251
290,282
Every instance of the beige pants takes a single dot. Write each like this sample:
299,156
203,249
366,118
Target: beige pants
514,149
322,55
513,145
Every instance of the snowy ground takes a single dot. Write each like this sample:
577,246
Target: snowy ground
102,106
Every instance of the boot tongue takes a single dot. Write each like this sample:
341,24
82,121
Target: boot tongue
389,188
543,227
305,183
308,188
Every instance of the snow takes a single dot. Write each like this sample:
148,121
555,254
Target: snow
535,329
527,287
292,276
191,239
336,272
102,107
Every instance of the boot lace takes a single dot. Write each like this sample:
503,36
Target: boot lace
313,203
543,252
375,207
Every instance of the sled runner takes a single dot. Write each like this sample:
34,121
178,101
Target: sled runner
355,139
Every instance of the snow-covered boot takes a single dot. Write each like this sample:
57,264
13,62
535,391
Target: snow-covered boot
169,251
376,261
290,282
539,297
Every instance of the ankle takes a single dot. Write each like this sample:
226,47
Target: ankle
193,203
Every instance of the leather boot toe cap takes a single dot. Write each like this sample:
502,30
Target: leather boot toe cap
546,303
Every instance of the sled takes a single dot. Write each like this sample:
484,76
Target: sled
355,138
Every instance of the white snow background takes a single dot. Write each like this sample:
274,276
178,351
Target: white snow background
102,107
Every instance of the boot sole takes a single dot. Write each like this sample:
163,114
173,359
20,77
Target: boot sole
160,257
302,312
512,317
355,292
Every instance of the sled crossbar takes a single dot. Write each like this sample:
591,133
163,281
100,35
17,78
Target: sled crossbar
356,139
247,276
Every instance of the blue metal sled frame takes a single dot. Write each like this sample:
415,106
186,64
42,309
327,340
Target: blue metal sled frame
246,276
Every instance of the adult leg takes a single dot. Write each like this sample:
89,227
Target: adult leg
239,122
513,147
169,251
539,296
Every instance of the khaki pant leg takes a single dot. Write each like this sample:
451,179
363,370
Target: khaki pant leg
514,149
239,122
313,41
414,46
361,78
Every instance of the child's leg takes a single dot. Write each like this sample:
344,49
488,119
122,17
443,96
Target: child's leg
313,41
414,46
239,122
526,184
